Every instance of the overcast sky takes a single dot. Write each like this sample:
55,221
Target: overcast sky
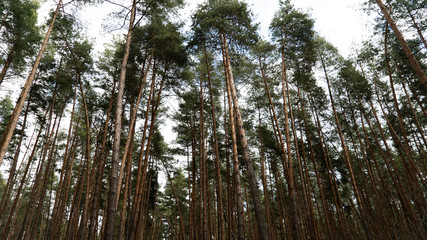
339,21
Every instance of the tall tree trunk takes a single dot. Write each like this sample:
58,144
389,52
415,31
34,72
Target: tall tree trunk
6,65
203,168
99,176
4,227
216,152
144,74
47,176
291,181
38,181
331,175
236,172
419,31
264,181
142,181
177,203
420,200
113,191
307,207
65,165
326,211
415,118
347,158
9,185
83,228
139,187
253,186
13,120
414,63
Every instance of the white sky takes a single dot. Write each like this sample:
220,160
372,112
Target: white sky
339,21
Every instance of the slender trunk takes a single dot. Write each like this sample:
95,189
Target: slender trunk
9,185
236,174
253,186
84,226
414,63
291,181
5,230
38,181
113,191
407,208
417,122
138,188
216,152
347,158
6,65
312,227
75,206
202,159
144,74
420,201
126,189
316,171
47,177
390,165
193,181
53,229
13,120
264,180
419,31
331,175
229,205
177,203
147,151
98,175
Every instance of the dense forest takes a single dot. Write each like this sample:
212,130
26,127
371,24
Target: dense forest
278,138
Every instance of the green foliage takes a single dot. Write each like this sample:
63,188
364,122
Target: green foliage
6,108
20,34
357,86
293,32
168,204
231,17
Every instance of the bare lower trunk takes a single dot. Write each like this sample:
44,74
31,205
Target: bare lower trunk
291,181
216,152
144,74
348,160
9,185
253,185
113,191
236,173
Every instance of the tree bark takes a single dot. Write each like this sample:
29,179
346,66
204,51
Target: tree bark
9,185
253,186
414,63
13,120
216,152
132,118
347,158
6,65
236,174
291,181
113,191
